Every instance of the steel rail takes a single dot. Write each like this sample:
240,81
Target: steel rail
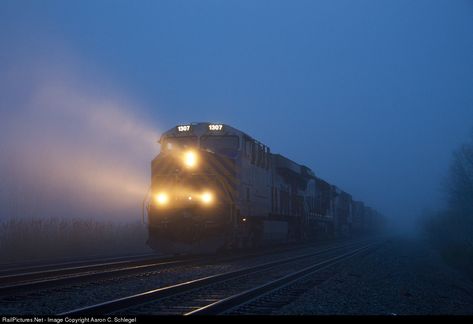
123,303
249,295
52,271
22,268
13,284
49,282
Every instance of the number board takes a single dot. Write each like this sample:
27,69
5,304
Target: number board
215,127
184,128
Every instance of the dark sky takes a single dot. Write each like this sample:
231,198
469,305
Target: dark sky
372,95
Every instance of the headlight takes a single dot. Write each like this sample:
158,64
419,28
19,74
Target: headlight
162,198
190,159
207,198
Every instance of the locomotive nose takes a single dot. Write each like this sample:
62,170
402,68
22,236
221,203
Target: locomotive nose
183,198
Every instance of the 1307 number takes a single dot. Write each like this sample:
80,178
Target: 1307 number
215,127
184,128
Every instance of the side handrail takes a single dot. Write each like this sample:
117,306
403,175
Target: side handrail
145,205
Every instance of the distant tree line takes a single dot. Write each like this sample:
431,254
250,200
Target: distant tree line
451,230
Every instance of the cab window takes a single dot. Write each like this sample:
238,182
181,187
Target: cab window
221,144
179,143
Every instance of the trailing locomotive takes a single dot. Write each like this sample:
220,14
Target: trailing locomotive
214,187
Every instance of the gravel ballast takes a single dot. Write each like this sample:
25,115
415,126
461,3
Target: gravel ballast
403,276
68,297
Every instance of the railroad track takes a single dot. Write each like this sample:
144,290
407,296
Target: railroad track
25,267
45,277
226,292
269,297
51,277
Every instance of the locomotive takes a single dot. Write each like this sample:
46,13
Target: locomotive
214,187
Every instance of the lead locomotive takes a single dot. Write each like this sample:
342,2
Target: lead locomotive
214,187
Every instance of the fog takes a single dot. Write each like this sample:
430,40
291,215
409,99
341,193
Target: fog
69,149
373,97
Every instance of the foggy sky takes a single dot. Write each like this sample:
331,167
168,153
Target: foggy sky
372,95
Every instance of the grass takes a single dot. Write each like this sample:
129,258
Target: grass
449,237
35,239
459,255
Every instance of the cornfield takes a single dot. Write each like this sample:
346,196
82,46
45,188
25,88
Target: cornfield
35,239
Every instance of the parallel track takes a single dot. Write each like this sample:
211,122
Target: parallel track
220,293
27,267
14,283
229,304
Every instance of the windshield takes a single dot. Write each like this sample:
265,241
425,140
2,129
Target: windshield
227,145
182,142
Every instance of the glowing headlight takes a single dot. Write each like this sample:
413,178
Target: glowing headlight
162,198
207,198
190,159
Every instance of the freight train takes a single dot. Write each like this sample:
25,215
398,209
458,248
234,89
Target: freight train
213,187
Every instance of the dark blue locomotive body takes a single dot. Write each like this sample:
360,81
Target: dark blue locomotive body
214,187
